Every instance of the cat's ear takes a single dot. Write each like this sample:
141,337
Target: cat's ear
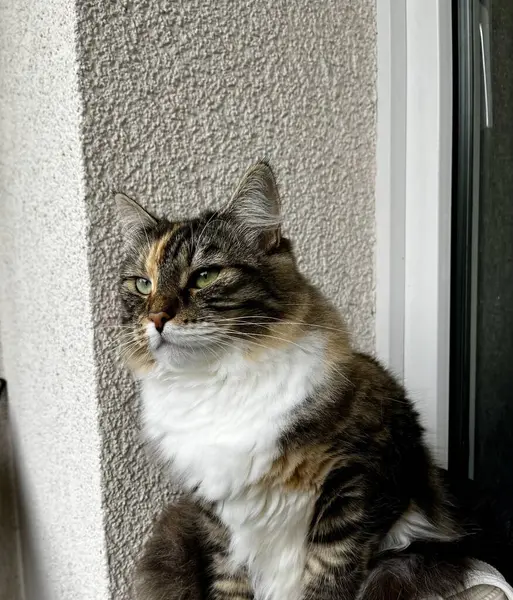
256,206
132,216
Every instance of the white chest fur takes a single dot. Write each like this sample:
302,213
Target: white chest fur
220,428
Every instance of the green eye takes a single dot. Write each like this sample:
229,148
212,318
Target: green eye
143,286
205,278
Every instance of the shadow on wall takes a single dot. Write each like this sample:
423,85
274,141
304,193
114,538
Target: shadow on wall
9,573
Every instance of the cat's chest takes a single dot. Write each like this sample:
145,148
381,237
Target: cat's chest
221,430
211,443
268,530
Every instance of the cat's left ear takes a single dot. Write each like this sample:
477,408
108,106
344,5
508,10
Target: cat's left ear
132,216
256,206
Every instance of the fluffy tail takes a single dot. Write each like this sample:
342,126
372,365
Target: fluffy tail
427,569
422,571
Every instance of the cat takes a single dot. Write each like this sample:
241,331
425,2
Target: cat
302,462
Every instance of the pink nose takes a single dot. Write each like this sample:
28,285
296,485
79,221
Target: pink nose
160,319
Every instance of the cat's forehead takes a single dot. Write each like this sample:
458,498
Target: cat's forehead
186,245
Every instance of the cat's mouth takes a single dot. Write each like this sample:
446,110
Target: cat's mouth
186,337
183,347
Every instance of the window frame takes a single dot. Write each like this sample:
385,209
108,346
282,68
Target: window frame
413,203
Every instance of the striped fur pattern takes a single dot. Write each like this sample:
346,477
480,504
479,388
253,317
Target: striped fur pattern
302,462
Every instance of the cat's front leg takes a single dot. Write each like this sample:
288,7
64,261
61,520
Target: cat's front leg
227,584
335,571
174,561
226,580
187,558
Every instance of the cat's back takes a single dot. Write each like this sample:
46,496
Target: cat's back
361,401
365,422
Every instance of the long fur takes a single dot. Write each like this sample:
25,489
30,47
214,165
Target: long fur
302,461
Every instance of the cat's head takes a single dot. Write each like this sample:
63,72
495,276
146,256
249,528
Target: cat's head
195,289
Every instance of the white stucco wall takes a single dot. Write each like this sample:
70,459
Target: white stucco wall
45,309
168,102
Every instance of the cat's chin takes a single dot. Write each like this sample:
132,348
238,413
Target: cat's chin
177,348
179,355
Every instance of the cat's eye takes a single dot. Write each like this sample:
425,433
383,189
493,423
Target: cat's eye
205,277
143,286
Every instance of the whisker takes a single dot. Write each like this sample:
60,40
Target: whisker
275,320
262,335
331,366
249,341
129,347
138,349
116,344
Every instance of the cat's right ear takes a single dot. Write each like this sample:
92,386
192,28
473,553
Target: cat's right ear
132,216
255,205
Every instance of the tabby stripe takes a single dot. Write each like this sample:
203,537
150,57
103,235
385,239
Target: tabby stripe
327,535
248,269
343,476
317,564
173,249
232,588
246,304
257,273
233,288
339,489
337,506
210,249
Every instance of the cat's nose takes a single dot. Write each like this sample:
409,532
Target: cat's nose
160,319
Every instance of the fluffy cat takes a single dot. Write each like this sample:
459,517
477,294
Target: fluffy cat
302,462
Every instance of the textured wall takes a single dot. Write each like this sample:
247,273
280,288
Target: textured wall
45,313
178,98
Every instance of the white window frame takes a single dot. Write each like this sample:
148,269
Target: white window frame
413,203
